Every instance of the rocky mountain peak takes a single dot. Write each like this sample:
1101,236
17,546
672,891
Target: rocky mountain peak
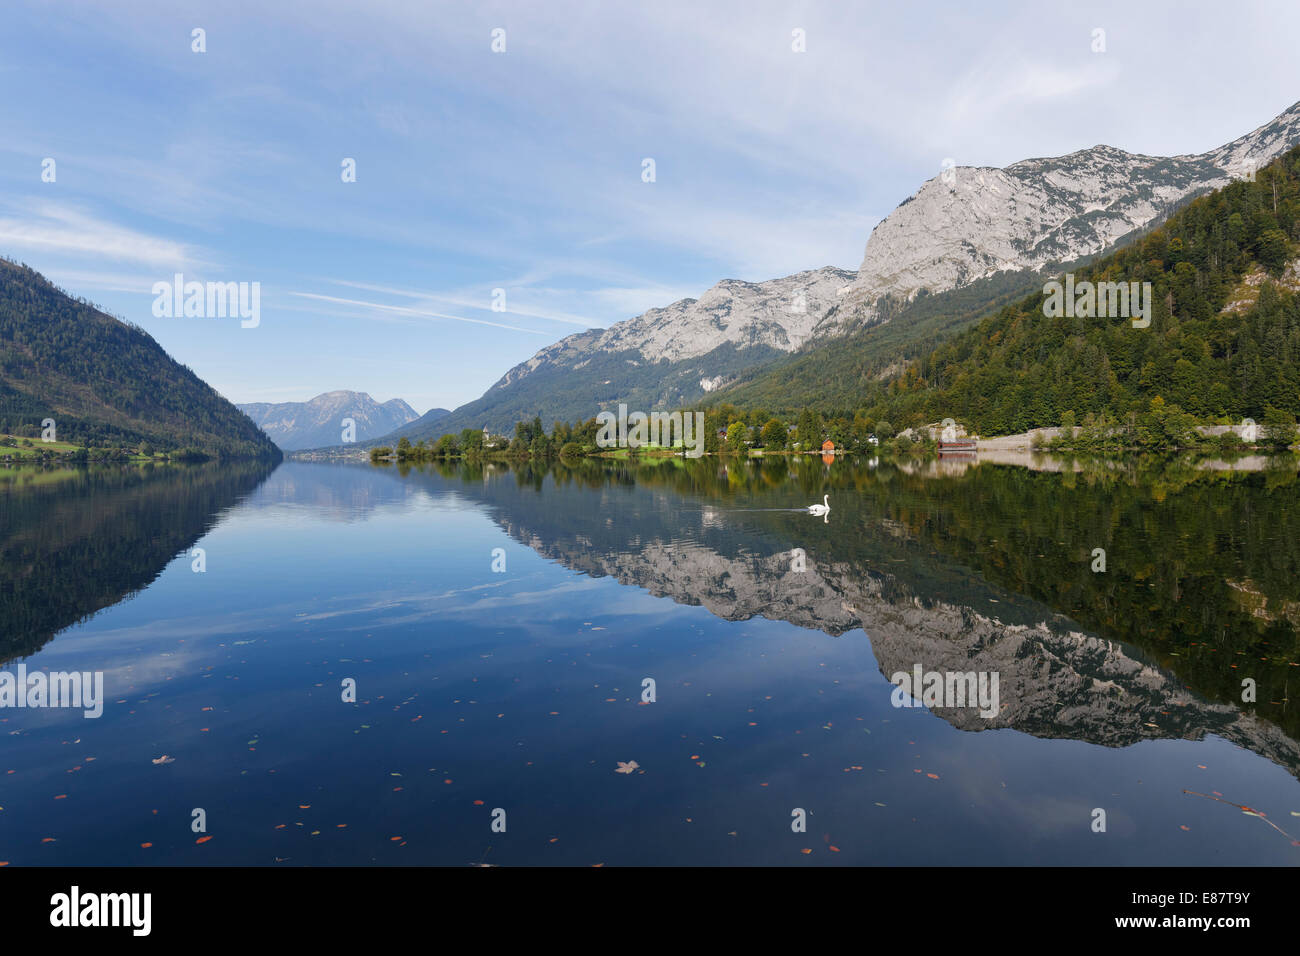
968,223
319,421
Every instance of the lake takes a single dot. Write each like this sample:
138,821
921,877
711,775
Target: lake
519,635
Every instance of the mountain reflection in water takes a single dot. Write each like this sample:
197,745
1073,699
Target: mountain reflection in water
771,636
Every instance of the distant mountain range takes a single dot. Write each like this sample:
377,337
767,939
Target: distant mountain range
103,380
320,421
991,232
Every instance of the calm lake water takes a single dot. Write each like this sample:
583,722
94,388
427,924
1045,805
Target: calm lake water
521,688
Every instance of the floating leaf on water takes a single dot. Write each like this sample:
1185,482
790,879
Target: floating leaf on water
627,767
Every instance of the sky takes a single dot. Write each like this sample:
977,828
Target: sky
524,170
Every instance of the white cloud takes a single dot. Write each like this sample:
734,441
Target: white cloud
382,307
464,301
55,228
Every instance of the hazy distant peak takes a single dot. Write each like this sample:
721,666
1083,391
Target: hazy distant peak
321,421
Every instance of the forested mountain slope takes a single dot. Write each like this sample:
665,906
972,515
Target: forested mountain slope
103,380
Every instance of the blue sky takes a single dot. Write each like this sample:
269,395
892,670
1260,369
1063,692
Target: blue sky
522,170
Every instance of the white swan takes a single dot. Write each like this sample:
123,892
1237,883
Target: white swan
821,509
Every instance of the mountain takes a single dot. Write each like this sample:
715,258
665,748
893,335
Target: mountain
103,380
320,421
834,373
987,230
665,357
1034,214
1223,339
969,223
